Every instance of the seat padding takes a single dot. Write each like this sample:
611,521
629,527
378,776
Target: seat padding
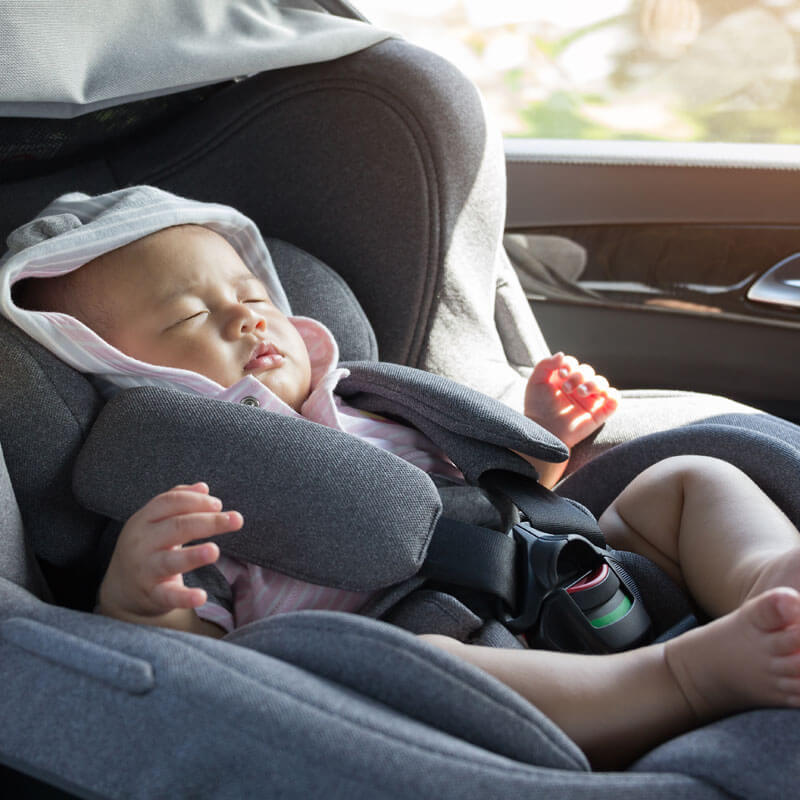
279,472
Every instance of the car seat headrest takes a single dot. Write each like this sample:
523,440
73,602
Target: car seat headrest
315,290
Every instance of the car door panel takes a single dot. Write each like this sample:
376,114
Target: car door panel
648,261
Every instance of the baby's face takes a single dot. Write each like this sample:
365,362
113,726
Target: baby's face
183,298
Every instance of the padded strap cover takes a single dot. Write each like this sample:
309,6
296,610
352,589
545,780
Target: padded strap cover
318,504
475,431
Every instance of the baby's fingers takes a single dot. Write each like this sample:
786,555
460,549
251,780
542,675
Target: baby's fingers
593,386
180,500
175,595
166,563
603,406
572,378
184,528
546,368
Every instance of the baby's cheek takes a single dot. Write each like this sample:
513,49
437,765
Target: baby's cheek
205,361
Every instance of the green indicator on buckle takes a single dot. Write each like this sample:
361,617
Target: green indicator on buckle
620,611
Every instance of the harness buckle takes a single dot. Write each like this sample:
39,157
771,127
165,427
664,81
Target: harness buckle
570,596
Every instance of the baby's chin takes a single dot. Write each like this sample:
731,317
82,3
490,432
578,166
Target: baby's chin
293,394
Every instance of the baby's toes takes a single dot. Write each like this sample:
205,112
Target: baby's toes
774,610
786,642
786,667
789,688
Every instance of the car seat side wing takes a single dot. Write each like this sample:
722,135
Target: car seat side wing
318,504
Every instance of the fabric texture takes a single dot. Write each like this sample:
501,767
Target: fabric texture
477,432
17,562
317,291
767,447
47,407
92,54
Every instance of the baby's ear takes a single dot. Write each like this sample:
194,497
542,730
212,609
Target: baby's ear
41,229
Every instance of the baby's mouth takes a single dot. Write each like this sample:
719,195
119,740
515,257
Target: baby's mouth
264,356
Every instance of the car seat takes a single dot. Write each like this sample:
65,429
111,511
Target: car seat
311,704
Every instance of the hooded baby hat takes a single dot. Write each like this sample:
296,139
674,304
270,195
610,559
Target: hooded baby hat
76,228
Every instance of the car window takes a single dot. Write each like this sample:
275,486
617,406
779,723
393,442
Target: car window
662,70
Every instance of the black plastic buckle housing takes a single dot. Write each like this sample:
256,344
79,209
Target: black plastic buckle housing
571,597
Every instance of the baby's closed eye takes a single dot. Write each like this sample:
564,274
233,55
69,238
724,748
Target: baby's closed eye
187,316
196,314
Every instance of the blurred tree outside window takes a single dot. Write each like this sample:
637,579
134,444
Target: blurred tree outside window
669,70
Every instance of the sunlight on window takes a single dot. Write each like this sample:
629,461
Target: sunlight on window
675,70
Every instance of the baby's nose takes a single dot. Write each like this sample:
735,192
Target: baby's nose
246,320
251,320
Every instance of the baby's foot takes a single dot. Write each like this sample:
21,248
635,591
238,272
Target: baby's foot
749,658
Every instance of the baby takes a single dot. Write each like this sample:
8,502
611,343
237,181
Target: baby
192,304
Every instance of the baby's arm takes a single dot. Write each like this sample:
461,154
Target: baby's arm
570,401
144,580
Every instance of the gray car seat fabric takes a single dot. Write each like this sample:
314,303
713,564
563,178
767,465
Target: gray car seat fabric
326,298
768,452
275,715
314,705
101,54
17,561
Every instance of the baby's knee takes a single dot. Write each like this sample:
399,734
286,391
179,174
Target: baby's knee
692,467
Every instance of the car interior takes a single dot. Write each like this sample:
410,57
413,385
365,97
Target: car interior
396,214
670,249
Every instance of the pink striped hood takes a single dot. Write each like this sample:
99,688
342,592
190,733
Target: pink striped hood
74,229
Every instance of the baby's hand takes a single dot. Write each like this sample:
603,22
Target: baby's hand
568,399
145,575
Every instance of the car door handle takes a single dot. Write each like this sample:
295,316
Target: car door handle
779,285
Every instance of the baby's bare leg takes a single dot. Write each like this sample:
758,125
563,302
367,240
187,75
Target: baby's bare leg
619,706
710,527
613,707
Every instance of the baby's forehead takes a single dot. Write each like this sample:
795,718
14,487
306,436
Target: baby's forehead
175,258
175,238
